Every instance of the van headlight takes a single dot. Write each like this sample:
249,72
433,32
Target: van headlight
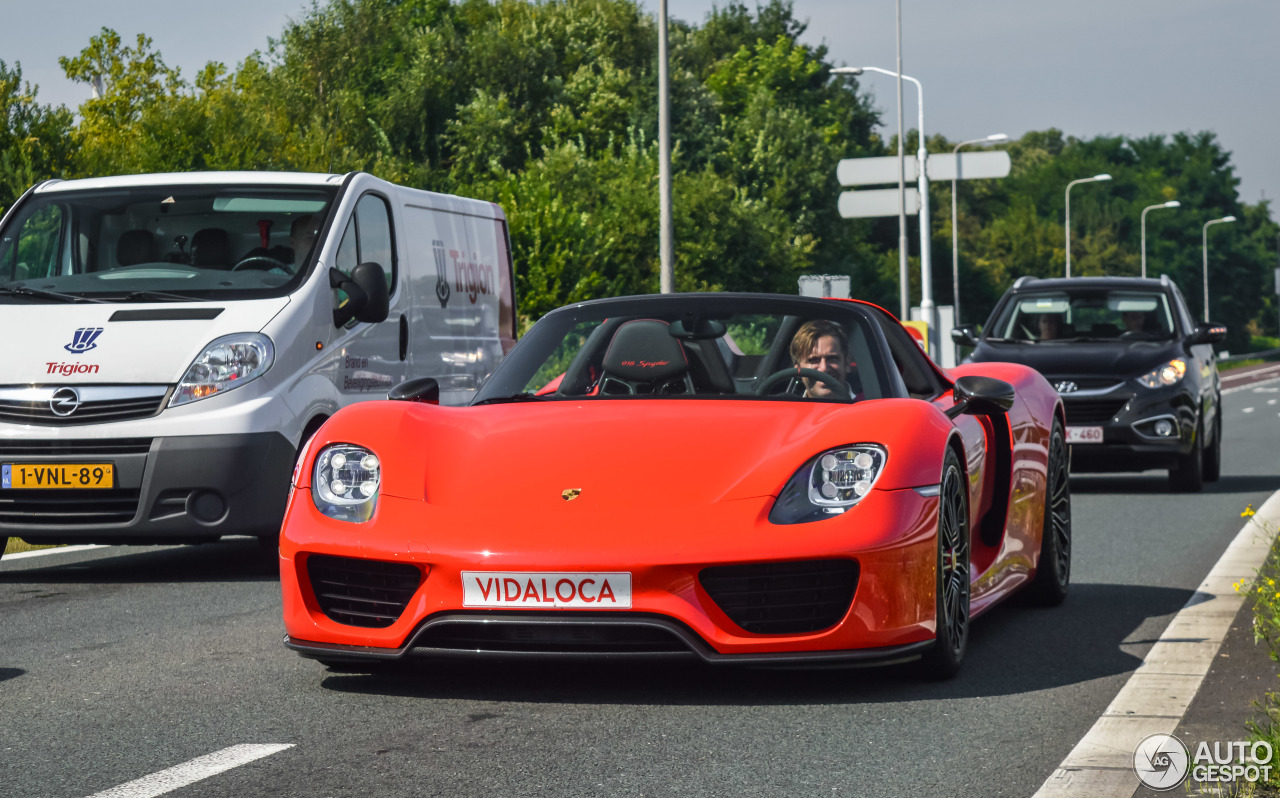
226,363
1168,374
345,481
829,484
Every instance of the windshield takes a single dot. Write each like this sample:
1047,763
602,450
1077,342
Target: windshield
158,243
681,349
1084,315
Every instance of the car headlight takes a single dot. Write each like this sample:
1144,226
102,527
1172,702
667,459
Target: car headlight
1168,374
226,363
345,481
829,484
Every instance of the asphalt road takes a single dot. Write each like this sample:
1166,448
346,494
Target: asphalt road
117,663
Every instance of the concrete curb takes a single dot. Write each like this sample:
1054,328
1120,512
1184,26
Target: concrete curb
1158,693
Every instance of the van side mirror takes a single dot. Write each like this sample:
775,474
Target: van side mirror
981,396
964,335
367,296
1207,333
418,389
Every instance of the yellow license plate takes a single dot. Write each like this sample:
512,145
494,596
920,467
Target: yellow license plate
75,476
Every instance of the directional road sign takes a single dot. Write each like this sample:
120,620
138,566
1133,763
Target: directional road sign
883,170
876,202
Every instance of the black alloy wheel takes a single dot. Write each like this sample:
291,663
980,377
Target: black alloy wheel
1188,475
1053,568
1213,455
944,658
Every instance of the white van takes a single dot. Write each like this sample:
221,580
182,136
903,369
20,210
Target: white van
172,340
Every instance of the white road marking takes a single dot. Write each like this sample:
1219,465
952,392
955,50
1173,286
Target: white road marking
1245,386
1247,410
1158,693
202,767
1272,401
59,550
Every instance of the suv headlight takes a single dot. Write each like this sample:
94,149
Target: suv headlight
829,484
345,481
1168,374
226,363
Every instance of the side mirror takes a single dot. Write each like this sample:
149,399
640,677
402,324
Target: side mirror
981,396
964,335
419,389
1207,333
367,296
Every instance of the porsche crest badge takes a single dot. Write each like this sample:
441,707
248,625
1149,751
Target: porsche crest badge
569,494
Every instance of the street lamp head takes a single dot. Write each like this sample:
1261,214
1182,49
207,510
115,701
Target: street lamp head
847,71
1102,177
1227,219
997,137
1173,204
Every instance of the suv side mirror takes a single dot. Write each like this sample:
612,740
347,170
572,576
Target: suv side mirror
964,335
981,396
1207,333
367,296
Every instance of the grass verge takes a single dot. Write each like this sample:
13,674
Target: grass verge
16,545
1264,593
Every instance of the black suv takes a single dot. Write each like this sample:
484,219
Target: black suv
1137,376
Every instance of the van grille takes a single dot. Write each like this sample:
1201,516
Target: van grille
98,404
783,597
106,447
365,593
67,507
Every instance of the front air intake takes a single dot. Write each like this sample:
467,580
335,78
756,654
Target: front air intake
367,593
783,597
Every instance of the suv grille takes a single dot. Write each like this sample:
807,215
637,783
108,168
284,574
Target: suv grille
97,404
1091,411
367,593
67,507
783,597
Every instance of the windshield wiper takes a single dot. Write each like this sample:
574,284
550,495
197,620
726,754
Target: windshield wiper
143,296
1009,340
518,397
22,290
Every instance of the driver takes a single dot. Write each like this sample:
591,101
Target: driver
823,346
302,236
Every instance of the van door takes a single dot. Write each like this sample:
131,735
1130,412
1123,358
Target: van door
370,362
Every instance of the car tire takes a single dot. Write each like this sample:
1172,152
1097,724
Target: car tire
1212,466
1188,475
1053,567
952,591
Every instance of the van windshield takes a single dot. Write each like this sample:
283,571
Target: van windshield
157,243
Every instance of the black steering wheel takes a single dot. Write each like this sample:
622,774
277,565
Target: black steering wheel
262,262
839,387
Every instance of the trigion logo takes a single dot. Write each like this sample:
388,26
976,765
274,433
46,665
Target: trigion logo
1161,761
83,340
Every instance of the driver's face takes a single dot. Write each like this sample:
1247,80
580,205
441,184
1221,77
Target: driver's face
825,356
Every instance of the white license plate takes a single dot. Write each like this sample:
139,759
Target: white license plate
546,589
1084,434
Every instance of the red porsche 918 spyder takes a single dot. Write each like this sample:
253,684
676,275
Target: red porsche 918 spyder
740,478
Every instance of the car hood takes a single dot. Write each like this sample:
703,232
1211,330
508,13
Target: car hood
627,454
1119,359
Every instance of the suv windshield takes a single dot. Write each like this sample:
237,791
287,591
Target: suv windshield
155,243
1084,315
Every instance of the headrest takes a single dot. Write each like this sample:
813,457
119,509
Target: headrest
644,351
209,247
135,246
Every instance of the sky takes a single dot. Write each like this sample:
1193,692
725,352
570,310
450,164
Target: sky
1087,67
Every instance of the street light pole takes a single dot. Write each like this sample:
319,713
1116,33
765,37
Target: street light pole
666,248
955,236
1204,241
1094,179
903,301
1169,204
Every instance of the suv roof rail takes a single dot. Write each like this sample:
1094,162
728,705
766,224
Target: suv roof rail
1022,280
1164,280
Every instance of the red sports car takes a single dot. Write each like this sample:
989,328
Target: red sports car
739,478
